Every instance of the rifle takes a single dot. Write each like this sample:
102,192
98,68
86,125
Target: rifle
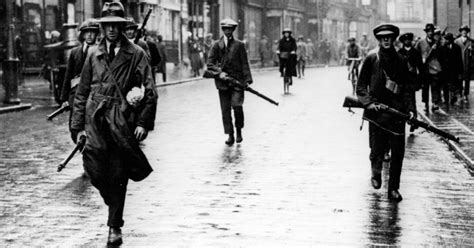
141,31
57,112
79,146
352,102
234,82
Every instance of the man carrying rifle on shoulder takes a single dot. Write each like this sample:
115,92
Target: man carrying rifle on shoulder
384,80
228,58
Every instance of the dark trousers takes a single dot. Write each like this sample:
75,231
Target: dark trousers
467,86
232,99
431,81
380,142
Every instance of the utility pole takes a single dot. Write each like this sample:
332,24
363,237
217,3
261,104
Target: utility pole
11,64
435,12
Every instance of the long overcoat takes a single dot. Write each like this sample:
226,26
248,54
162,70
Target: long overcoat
288,45
467,52
74,69
112,153
231,60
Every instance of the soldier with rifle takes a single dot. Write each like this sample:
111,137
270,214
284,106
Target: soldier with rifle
383,81
114,108
228,58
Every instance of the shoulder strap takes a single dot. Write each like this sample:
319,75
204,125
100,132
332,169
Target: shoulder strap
114,81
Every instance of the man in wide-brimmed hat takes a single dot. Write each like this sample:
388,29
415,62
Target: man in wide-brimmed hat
383,80
114,108
432,68
228,58
89,30
466,45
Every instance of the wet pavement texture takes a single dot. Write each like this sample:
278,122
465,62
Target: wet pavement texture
301,178
458,120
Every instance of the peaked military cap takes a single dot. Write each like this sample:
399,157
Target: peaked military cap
429,26
228,23
465,27
406,36
89,24
113,12
386,29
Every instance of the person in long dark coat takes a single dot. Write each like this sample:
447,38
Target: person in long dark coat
466,44
452,70
88,33
228,58
161,68
155,56
287,53
383,80
114,108
195,49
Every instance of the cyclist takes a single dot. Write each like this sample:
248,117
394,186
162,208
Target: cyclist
287,53
353,57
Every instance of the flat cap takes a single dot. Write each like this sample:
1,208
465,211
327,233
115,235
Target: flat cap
406,36
113,12
449,36
386,29
351,39
228,23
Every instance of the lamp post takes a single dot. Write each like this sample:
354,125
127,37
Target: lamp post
11,63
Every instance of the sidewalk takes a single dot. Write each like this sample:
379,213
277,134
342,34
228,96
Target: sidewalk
457,120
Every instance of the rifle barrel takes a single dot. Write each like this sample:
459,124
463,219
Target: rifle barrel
57,112
261,95
78,147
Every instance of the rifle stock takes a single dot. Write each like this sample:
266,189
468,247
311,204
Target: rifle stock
352,102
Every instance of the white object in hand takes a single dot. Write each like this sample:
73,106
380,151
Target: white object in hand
135,95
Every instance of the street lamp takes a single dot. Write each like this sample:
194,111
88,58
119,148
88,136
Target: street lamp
11,64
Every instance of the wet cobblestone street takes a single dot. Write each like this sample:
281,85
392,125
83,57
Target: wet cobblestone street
301,178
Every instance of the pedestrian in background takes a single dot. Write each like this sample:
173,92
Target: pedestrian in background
195,49
466,45
287,54
155,57
263,50
301,55
429,48
161,68
310,51
415,66
452,70
114,108
324,51
87,36
383,80
275,56
228,58
131,31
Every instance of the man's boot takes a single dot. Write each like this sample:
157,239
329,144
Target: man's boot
239,135
230,141
115,236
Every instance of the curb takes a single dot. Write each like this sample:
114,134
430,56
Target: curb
14,108
453,146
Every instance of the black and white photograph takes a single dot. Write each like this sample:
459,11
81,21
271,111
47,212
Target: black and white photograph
236,123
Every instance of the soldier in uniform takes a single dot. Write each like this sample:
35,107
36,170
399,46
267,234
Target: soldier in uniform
114,108
88,35
465,42
383,80
228,57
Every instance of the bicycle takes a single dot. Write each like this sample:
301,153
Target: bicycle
354,72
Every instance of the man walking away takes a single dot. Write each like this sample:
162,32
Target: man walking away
466,44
